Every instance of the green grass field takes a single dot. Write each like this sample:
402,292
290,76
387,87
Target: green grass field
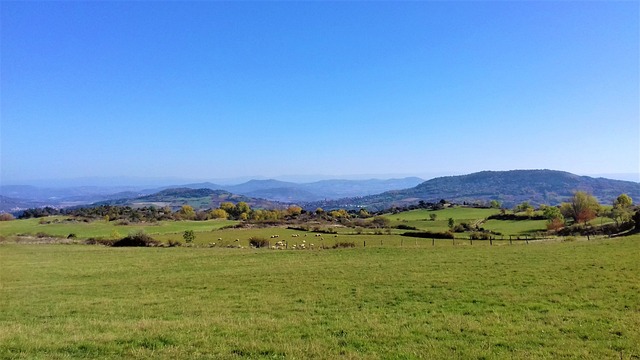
103,229
557,299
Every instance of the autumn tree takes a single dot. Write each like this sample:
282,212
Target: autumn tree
555,219
621,211
623,201
294,210
341,213
228,207
187,213
218,214
582,207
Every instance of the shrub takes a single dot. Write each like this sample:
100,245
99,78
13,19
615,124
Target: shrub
344,244
6,217
189,236
258,242
94,241
174,243
479,236
71,236
299,228
406,227
137,239
430,234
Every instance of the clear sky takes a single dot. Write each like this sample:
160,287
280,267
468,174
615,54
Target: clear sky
208,90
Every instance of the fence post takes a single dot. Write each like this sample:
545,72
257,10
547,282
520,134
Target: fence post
433,242
470,241
453,241
510,243
365,243
490,240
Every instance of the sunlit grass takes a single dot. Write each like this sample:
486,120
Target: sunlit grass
544,300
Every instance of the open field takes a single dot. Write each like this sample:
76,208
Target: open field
576,299
210,231
58,227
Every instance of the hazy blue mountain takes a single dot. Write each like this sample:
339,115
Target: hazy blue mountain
9,204
286,194
274,190
319,190
335,189
253,186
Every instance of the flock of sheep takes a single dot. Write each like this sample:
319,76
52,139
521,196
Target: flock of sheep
279,245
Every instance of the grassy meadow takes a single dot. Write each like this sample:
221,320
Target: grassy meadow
58,226
578,299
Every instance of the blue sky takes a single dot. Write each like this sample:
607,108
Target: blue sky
210,90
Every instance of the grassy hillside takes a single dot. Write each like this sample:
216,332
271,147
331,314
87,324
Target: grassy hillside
509,187
546,300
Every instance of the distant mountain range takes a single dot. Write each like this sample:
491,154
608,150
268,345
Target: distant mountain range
19,197
509,187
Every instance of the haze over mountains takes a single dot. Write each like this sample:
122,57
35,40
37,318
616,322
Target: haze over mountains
16,197
509,187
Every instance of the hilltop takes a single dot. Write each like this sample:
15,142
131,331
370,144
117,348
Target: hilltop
197,198
509,187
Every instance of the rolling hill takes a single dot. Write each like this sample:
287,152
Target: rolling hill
509,187
199,199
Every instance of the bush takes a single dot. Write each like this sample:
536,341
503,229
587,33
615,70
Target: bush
406,227
344,244
137,239
72,236
94,241
6,217
189,236
429,235
258,242
299,228
480,236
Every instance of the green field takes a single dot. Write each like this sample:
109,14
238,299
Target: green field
59,227
210,231
577,299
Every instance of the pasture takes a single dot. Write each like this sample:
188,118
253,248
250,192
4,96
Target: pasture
62,226
577,299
